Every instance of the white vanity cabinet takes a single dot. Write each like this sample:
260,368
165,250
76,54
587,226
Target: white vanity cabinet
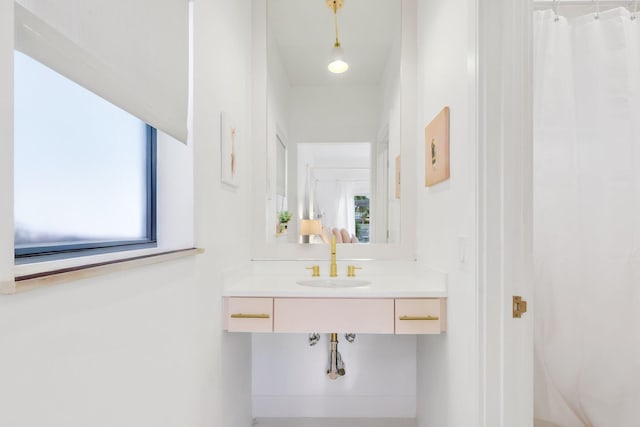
357,315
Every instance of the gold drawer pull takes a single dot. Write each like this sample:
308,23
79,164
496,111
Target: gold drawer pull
249,316
419,318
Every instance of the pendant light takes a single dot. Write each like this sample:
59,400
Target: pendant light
337,64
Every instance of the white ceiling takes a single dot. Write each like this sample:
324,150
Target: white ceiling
303,31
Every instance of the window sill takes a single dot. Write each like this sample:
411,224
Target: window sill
28,282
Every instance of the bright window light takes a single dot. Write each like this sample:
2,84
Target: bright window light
84,168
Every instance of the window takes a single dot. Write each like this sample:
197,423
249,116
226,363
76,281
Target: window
361,216
85,170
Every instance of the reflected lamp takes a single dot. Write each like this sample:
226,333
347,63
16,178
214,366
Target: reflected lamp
310,227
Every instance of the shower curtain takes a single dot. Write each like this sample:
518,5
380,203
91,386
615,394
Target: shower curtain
587,219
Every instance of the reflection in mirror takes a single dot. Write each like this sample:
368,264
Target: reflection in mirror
334,183
283,213
330,137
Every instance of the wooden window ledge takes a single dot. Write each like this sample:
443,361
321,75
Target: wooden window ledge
40,280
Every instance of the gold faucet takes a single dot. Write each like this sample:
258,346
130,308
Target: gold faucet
315,270
351,270
333,270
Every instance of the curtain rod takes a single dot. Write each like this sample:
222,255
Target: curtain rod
551,3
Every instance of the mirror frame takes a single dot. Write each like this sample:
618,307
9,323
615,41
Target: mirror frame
406,249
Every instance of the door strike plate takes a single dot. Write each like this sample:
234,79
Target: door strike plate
519,306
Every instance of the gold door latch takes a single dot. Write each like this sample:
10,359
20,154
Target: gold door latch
519,306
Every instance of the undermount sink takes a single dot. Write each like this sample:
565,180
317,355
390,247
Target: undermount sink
333,283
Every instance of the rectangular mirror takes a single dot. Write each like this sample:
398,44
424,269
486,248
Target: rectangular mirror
332,140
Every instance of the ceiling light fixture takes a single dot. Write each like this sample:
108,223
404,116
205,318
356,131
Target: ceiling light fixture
337,64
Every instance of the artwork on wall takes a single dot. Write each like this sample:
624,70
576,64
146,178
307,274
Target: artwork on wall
436,147
228,150
398,177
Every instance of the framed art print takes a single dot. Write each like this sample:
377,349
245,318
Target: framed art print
436,147
228,150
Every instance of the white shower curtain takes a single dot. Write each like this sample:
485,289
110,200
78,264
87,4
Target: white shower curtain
587,219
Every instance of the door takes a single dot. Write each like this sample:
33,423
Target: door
505,213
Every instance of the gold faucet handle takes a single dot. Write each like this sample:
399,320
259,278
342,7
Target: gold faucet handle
315,270
351,270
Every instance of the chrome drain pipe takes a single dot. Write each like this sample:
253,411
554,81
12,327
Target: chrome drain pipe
336,365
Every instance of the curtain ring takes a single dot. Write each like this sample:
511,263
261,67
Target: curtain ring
556,5
634,15
597,15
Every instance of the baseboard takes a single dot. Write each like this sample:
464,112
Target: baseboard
335,422
334,406
537,422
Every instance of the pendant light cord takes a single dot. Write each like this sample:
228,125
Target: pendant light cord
335,20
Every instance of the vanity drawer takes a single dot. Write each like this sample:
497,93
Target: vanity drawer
420,316
248,314
333,315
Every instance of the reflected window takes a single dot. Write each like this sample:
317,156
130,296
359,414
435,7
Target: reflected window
361,216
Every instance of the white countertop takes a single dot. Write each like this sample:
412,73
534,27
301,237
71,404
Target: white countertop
385,282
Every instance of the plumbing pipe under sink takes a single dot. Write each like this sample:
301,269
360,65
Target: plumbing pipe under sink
336,365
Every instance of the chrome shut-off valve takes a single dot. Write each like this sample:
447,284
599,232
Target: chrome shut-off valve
336,365
314,337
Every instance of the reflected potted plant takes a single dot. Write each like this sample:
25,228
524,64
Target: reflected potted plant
362,218
284,217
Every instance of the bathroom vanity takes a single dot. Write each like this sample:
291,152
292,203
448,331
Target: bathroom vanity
408,303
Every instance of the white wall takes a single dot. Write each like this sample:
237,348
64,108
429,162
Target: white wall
447,364
335,113
290,377
222,83
143,347
6,135
101,352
